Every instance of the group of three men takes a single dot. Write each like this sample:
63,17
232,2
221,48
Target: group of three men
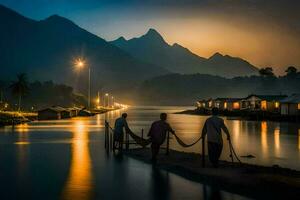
212,128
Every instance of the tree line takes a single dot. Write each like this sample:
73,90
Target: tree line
21,94
176,89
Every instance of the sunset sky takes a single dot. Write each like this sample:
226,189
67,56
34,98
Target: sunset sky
266,32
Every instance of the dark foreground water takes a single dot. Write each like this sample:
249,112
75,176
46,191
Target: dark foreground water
66,159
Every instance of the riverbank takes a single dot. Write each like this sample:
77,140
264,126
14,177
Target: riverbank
254,181
245,115
11,117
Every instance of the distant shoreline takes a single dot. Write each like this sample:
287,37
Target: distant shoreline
243,115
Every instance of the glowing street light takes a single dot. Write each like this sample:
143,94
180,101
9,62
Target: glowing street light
80,63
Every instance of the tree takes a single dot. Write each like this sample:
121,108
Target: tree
20,88
266,72
291,71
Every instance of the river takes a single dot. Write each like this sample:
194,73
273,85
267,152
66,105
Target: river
66,159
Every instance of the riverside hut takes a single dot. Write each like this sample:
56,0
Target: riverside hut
204,104
290,105
53,113
270,103
232,104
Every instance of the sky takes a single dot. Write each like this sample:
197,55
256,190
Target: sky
264,32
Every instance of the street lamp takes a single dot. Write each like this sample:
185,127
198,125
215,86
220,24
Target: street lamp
112,101
107,99
80,63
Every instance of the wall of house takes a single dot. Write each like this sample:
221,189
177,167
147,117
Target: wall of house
48,114
289,109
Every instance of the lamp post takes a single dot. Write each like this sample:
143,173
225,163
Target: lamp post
80,63
107,99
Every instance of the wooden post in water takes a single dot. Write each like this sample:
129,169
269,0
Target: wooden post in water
106,135
203,152
142,133
168,143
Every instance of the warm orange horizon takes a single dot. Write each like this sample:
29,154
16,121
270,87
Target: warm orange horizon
265,33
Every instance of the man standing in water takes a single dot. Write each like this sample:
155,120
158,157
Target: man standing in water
157,133
120,124
213,129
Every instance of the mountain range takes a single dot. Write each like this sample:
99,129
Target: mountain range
46,50
152,48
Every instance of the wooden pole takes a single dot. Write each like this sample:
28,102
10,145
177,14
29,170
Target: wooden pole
168,143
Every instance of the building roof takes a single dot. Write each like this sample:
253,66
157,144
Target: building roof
268,97
295,98
54,108
228,99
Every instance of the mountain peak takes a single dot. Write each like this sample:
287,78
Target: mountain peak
57,18
216,55
121,39
153,34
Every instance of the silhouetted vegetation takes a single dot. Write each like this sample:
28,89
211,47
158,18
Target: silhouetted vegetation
20,88
185,89
42,94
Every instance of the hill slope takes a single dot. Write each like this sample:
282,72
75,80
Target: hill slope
46,49
153,49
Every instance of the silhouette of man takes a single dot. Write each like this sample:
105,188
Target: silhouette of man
213,129
157,133
120,124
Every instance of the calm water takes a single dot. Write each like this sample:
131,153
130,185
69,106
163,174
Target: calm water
66,159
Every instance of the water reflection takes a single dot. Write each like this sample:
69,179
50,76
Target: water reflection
264,138
79,183
160,187
277,142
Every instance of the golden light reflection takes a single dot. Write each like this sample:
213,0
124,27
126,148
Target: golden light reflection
22,149
264,137
22,128
79,183
236,125
277,141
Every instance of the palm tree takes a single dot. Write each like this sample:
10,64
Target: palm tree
20,88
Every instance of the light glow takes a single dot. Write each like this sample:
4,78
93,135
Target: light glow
79,63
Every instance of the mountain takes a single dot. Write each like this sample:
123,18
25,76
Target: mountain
46,50
152,48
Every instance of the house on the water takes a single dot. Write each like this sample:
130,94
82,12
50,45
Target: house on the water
270,103
290,105
204,103
52,113
227,103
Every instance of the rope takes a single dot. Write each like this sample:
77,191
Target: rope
139,140
184,144
234,153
